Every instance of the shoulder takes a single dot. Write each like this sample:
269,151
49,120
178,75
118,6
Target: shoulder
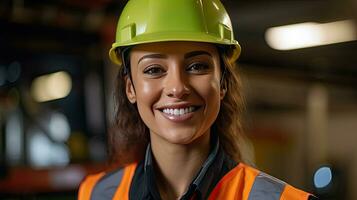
254,184
265,185
102,185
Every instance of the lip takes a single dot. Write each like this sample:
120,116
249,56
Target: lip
175,105
177,118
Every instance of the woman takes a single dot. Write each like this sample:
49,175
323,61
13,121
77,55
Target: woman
178,132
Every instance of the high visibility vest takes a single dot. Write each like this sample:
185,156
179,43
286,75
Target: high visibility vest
241,183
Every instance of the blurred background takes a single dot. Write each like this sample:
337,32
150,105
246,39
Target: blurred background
298,67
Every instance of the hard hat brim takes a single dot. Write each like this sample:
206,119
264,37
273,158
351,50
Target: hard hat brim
166,37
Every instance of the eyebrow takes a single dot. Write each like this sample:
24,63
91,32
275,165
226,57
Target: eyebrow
186,56
196,53
156,55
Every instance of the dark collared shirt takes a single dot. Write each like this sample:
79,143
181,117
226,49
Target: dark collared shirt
214,168
217,165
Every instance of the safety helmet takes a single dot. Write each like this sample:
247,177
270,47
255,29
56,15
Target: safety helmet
147,21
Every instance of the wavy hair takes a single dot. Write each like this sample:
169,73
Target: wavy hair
129,136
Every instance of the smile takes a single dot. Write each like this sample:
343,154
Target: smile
179,114
179,111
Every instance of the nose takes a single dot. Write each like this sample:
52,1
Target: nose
176,85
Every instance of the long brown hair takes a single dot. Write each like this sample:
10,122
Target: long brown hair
129,135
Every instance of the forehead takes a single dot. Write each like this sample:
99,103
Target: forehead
173,48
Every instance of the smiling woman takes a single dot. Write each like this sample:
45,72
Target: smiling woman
178,133
166,86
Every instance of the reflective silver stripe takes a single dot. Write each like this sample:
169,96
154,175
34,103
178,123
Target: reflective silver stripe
266,187
107,186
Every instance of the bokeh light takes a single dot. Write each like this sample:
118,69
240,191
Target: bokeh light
322,177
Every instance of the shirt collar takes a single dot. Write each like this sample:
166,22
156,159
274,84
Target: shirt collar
205,179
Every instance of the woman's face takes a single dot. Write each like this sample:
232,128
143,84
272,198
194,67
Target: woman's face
176,86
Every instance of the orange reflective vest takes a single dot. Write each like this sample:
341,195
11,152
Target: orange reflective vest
241,183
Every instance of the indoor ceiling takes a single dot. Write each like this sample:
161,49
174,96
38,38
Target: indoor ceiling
334,63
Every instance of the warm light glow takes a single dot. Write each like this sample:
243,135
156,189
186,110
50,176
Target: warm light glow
310,34
52,86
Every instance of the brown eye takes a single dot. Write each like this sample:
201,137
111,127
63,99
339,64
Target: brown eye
198,67
154,70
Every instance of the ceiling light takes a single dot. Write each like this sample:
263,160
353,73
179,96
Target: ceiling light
51,86
310,34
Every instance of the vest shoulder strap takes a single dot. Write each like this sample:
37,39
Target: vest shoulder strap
124,187
291,193
86,187
105,186
246,183
266,187
270,188
236,184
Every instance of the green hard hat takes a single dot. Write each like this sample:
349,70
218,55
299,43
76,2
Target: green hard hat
147,21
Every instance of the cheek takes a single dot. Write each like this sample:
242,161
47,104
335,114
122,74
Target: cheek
147,89
208,88
214,98
147,93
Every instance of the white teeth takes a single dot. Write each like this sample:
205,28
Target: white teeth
180,111
176,111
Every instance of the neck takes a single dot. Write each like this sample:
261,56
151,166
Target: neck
177,164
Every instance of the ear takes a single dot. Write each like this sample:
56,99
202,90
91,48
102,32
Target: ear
222,93
130,91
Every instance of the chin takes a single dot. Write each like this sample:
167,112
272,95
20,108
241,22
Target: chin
179,136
